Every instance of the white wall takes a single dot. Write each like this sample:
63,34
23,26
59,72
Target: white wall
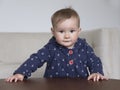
34,15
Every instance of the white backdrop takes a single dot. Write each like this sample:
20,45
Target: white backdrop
34,15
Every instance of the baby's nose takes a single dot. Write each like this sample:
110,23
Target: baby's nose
67,35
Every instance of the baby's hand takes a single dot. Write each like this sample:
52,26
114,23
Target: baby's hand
97,77
15,78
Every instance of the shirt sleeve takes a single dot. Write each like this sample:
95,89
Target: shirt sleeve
93,62
35,61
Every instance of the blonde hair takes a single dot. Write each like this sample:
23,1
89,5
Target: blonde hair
64,14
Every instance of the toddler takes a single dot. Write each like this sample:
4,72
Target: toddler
66,54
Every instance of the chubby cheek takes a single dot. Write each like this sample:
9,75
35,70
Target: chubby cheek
74,38
58,38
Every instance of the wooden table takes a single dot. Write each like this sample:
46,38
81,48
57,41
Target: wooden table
60,84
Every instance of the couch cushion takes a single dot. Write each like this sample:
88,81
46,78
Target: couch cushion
17,47
6,70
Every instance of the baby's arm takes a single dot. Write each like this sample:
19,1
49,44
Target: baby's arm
15,78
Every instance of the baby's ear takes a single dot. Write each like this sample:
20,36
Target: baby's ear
79,30
52,30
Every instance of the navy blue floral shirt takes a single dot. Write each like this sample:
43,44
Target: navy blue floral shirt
63,62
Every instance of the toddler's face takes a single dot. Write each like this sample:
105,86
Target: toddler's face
67,32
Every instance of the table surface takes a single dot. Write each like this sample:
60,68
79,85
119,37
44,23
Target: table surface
60,84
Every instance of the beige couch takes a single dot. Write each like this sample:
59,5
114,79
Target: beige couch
15,48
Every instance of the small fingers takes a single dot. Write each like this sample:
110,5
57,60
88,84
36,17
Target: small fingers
89,77
92,77
21,79
10,79
14,78
97,77
103,78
